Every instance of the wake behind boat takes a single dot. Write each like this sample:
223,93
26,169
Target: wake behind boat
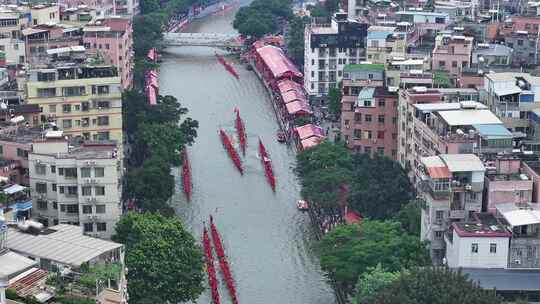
231,151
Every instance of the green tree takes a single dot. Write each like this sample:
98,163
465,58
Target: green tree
434,286
100,272
323,171
334,105
380,187
409,216
262,17
371,281
163,259
349,250
295,39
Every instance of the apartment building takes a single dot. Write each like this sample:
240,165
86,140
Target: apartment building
15,146
408,73
77,185
328,49
80,16
41,38
83,100
452,53
512,96
369,111
451,185
11,43
438,121
385,43
458,11
424,22
525,47
45,14
112,38
492,55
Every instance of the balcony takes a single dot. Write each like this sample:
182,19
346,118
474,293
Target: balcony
523,252
457,214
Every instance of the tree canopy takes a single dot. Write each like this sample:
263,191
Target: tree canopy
262,17
349,250
295,39
371,281
434,286
334,105
163,260
380,186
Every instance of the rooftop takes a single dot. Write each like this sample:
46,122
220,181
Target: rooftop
504,279
493,49
13,264
520,215
462,162
466,117
364,67
62,243
486,227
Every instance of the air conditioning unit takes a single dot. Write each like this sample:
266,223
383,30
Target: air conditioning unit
88,181
88,163
94,200
88,200
38,161
89,217
95,217
347,126
517,262
93,162
93,181
468,187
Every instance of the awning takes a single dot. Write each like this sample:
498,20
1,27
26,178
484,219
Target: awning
14,189
514,89
310,142
308,130
23,205
31,31
439,172
298,107
291,96
493,131
528,214
277,62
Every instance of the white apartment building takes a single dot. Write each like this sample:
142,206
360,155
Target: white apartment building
14,50
76,185
451,185
328,49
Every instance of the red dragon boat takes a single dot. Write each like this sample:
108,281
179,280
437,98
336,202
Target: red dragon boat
210,269
241,130
227,66
230,149
267,163
218,246
186,177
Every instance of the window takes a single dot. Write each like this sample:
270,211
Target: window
520,42
357,133
85,172
61,189
101,226
367,150
67,123
22,153
380,134
86,191
60,171
358,117
55,206
42,205
454,64
46,92
100,90
72,190
52,108
104,104
53,169
70,172
439,214
380,151
381,118
99,172
100,190
438,234
107,46
88,227
102,136
381,103
103,120
72,208
66,108
442,63
368,134
100,208
40,169
368,118
85,106
492,248
87,209
41,188
73,91
53,187
474,247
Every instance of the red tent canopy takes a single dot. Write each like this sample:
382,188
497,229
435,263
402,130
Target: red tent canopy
309,130
152,54
298,107
352,217
289,85
291,96
151,95
278,64
310,142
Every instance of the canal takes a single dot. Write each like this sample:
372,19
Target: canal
269,243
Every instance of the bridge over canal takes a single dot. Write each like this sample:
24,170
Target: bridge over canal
202,39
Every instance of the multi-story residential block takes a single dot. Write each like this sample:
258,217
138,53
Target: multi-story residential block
102,8
76,185
39,39
79,15
83,100
369,111
506,181
15,145
385,43
525,47
458,11
126,7
112,38
407,73
45,14
512,96
11,43
452,53
427,125
14,50
424,22
328,48
451,185
491,55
